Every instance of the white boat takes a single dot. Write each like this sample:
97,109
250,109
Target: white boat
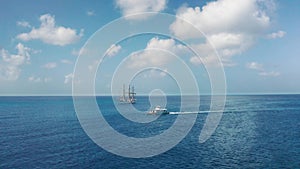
158,110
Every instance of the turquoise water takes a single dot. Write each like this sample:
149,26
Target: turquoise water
255,132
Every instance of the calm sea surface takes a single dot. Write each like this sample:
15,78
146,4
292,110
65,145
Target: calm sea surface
254,132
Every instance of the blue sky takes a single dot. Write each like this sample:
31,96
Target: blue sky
257,41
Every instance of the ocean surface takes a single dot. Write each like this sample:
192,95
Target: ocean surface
256,131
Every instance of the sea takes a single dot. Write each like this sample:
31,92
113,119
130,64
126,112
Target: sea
255,131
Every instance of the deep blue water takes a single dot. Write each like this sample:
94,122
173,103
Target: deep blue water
255,132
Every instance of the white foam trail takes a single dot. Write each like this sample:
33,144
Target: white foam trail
194,112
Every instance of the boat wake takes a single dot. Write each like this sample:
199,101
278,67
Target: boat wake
194,112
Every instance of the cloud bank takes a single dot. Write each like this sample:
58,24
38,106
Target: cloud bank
275,35
10,67
261,70
153,53
50,33
130,7
113,50
231,26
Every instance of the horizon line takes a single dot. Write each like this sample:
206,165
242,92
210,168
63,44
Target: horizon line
143,95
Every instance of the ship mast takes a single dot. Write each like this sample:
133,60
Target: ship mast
129,96
123,92
132,93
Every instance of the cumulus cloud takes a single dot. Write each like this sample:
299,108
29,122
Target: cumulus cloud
68,78
50,65
207,60
261,70
10,69
113,50
94,65
24,24
18,59
195,60
152,54
272,73
82,51
8,72
129,7
231,26
275,35
229,16
34,79
154,73
50,33
66,61
75,52
255,66
90,13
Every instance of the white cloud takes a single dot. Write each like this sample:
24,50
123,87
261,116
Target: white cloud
195,60
229,44
129,7
39,79
90,13
24,24
272,74
50,65
231,26
275,35
82,51
94,65
113,50
229,16
75,52
261,70
68,78
50,33
10,69
8,72
154,73
152,54
66,61
34,79
205,60
255,66
18,59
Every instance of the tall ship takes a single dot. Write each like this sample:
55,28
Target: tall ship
130,98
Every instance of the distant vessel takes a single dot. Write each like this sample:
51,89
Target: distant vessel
159,110
131,95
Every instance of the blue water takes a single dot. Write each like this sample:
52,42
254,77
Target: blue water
255,132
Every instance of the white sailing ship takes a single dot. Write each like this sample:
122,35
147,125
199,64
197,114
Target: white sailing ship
131,95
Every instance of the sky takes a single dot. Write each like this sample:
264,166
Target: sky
255,42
